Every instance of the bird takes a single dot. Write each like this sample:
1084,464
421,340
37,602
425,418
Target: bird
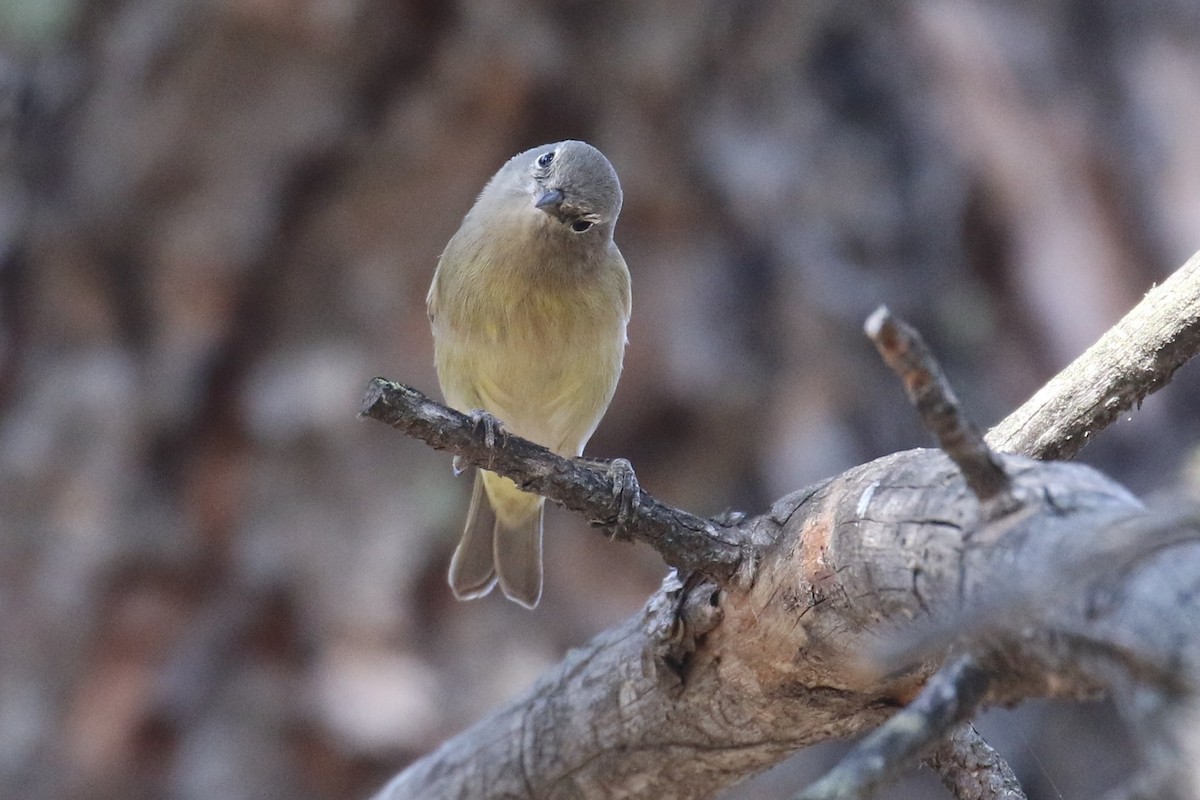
529,306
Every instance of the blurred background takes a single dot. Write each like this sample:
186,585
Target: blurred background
219,219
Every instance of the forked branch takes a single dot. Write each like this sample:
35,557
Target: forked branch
666,708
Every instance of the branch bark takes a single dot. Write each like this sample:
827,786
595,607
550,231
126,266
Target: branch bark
972,770
949,698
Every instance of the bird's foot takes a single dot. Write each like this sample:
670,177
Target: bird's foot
487,427
627,492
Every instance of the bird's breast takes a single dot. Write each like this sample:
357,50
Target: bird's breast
544,356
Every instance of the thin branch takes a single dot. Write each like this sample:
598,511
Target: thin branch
929,390
972,769
1134,358
685,541
951,695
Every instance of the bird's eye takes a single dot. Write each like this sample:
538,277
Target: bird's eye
545,159
580,225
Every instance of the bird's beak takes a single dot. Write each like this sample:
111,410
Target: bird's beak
549,200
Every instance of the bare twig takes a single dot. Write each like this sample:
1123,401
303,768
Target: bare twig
905,352
972,769
952,694
685,541
1137,356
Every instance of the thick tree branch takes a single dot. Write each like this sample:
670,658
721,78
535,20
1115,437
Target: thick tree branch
1051,582
685,541
657,709
1136,357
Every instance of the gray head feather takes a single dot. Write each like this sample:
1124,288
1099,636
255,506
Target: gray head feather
571,182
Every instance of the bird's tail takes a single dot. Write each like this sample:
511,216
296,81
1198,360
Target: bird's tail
472,571
503,542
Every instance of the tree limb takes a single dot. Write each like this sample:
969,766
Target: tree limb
905,352
972,769
685,541
634,714
715,681
1136,357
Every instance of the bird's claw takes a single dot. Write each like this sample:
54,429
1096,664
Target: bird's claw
627,492
488,428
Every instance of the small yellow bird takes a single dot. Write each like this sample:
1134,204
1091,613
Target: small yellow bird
529,305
